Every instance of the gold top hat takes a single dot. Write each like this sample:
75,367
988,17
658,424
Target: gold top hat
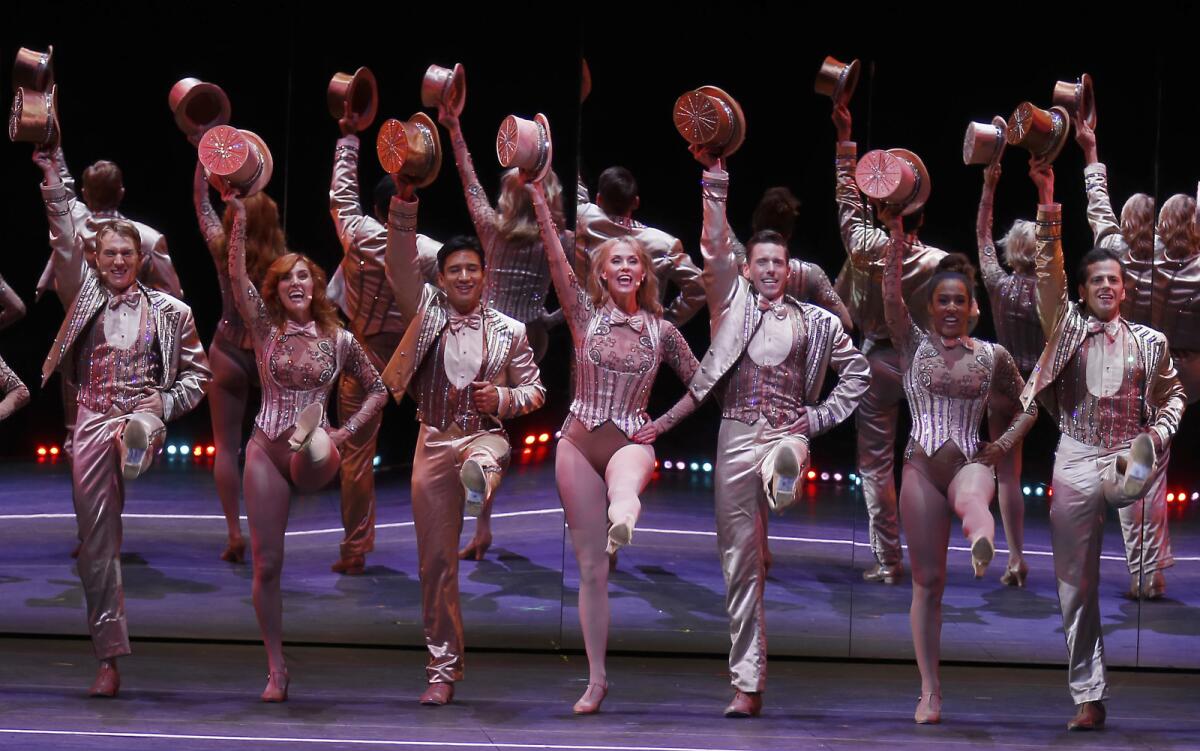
526,145
359,91
236,158
445,86
711,118
837,80
1078,98
412,149
585,80
984,142
198,105
896,177
32,118
1041,132
33,70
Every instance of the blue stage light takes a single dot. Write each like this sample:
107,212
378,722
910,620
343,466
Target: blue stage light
694,466
1026,490
171,450
375,462
853,477
184,448
1039,490
707,466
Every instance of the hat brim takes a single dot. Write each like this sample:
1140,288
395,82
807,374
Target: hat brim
739,121
203,88
923,189
1087,101
436,165
268,169
546,165
847,83
1061,141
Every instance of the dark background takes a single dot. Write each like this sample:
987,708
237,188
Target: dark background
925,76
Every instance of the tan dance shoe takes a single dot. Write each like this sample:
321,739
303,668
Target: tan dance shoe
1015,576
141,431
785,480
745,704
306,425
437,694
1139,464
982,553
1088,716
591,700
474,482
277,687
620,534
929,710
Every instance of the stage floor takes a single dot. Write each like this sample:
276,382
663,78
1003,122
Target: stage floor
191,696
667,591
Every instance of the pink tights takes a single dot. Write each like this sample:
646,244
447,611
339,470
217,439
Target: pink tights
600,474
234,373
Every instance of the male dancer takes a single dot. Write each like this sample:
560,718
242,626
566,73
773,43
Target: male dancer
1112,388
767,363
612,216
367,302
880,409
467,367
135,361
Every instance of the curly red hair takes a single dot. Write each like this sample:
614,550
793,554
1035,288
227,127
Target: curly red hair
323,311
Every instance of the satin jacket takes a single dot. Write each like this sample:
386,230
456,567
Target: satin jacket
185,372
734,316
1106,233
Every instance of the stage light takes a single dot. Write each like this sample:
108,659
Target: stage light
707,466
41,450
853,477
197,451
824,477
375,462
694,466
668,464
527,450
837,476
557,434
1050,492
1038,490
1170,497
1026,490
680,465
54,451
183,448
529,439
812,474
211,450
1196,496
544,438
172,450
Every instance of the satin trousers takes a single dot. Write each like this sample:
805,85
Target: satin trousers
745,465
438,498
875,420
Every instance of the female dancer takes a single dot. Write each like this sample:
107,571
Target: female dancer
1014,308
518,278
949,379
604,455
300,348
231,354
1177,289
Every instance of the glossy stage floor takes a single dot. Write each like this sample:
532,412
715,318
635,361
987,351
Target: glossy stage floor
840,676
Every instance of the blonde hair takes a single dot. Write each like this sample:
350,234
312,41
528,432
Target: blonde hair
517,222
1137,225
1177,226
1019,245
647,294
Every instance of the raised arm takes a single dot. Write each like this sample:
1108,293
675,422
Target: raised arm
482,213
573,298
905,334
66,248
12,309
716,241
249,302
1051,271
1106,230
860,236
524,392
345,203
15,393
401,259
993,272
206,217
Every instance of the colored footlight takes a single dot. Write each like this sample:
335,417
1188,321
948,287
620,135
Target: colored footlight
812,474
837,476
54,451
680,465
853,477
1050,492
1026,490
668,464
172,450
375,462
527,450
184,449
529,439
694,466
1170,497
544,438
41,451
824,477
1038,490
707,466
211,450
557,434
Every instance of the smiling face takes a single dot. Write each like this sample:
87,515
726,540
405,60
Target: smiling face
295,291
1103,289
767,269
117,261
461,276
950,308
622,271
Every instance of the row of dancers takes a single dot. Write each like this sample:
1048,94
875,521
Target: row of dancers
460,326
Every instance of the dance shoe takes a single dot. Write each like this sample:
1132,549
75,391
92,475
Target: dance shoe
1139,463
591,700
355,565
1088,716
886,574
785,478
476,548
277,687
1154,586
745,704
75,551
929,710
982,553
235,551
306,426
620,534
141,429
1015,577
108,680
475,483
437,694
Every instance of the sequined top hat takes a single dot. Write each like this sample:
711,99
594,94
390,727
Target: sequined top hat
410,148
32,118
33,70
236,158
984,142
198,105
1078,99
445,86
526,145
1041,132
359,91
837,80
896,177
711,118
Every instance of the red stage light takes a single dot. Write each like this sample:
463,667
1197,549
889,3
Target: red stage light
529,439
1170,497
54,451
543,438
1050,492
527,451
812,474
211,450
41,450
196,451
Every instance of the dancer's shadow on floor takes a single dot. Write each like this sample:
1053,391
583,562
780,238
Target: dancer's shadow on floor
514,576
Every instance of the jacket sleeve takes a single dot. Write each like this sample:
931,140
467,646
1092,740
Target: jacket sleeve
1051,270
854,377
864,241
402,261
524,391
1106,231
193,374
717,244
344,202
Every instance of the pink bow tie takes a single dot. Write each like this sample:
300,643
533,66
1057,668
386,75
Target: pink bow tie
964,341
778,308
296,329
458,323
130,299
634,322
1110,329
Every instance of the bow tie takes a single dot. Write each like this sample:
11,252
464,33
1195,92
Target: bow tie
778,308
296,329
130,298
634,322
1110,329
472,321
964,341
